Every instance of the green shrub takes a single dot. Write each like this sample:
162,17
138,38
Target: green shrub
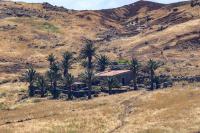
36,100
123,61
96,88
48,27
3,106
3,95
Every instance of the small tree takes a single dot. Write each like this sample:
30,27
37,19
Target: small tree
136,20
30,77
148,19
41,83
134,67
88,77
68,81
152,66
102,63
54,75
87,53
51,58
67,63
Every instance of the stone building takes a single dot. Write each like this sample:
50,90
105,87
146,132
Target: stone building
124,77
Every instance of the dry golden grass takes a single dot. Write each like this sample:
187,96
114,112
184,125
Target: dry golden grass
173,110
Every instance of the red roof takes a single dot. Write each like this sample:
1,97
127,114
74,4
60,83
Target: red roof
111,73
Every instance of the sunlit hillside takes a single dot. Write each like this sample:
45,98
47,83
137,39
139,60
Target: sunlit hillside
144,30
29,32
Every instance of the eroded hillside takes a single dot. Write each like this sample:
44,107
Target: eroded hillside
29,32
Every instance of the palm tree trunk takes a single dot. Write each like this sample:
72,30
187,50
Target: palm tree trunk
89,79
31,90
135,79
55,95
89,90
152,80
65,73
42,91
110,90
70,93
89,63
51,83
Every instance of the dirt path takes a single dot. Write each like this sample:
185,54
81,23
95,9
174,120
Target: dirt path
26,119
128,108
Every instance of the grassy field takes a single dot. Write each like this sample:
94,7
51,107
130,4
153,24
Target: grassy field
172,110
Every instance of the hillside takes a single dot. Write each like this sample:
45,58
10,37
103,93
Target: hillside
29,32
166,32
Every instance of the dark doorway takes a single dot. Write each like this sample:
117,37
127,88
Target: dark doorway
123,81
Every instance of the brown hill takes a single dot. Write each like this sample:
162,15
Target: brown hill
29,32
131,10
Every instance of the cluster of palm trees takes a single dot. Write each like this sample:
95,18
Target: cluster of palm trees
58,72
152,65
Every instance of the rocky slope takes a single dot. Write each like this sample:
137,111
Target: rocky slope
29,32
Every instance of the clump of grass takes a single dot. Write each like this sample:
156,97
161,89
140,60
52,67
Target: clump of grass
45,26
23,90
154,131
3,95
3,106
123,61
97,88
48,27
36,100
4,81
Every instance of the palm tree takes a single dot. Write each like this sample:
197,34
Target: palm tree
51,58
54,75
87,53
152,66
68,81
102,63
30,77
49,74
41,83
67,63
134,67
88,77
